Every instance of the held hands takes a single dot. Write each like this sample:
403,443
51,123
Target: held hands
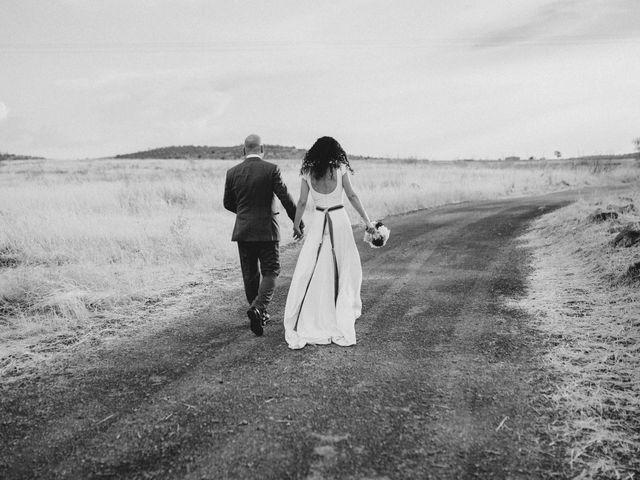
298,232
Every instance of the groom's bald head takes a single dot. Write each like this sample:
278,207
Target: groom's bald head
252,144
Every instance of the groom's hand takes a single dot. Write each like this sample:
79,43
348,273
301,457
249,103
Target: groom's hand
297,233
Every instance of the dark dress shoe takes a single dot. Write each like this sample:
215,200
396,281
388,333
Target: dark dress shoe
255,319
265,319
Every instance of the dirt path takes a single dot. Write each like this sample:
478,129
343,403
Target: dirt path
444,381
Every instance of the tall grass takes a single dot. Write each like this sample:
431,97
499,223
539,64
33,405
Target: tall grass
79,239
591,316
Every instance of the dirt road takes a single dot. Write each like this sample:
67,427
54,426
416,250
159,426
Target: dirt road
445,380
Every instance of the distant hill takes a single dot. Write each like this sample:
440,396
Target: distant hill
223,153
10,156
275,152
621,156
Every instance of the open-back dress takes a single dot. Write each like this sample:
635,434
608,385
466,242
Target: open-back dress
324,297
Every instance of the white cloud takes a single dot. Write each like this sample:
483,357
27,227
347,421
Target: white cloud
565,22
4,111
145,109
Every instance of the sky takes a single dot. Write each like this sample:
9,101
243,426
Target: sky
436,79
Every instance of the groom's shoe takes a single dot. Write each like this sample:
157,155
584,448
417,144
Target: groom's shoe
255,319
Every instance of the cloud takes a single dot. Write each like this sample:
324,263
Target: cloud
567,22
163,100
544,20
21,135
4,111
142,109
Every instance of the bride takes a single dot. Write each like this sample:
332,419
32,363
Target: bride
324,297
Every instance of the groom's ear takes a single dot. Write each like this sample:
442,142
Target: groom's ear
244,151
262,149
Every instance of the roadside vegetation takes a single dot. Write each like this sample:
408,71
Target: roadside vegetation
585,295
90,247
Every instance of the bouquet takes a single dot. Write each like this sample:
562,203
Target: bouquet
379,237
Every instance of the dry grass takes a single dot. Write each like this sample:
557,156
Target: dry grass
592,319
88,247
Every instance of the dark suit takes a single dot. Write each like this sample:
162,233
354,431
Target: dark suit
249,192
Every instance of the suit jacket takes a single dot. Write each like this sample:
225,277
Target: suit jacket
249,192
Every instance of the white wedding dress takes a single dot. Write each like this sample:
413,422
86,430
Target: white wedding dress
315,312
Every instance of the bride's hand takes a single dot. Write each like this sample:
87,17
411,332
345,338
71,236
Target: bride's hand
370,228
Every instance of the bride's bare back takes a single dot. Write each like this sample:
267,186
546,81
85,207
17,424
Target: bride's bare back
326,184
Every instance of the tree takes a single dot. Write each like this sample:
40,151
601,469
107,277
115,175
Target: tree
557,154
636,143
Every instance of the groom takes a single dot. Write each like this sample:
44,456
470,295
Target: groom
249,193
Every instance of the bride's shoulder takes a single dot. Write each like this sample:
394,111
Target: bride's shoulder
344,170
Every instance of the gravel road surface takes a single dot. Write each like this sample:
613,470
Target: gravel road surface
445,381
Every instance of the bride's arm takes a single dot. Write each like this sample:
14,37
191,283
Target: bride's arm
302,204
355,201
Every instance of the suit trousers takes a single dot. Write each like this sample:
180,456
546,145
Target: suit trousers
259,259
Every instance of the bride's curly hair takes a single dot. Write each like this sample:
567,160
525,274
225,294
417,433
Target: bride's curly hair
325,154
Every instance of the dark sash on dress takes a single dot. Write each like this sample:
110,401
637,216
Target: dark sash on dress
326,223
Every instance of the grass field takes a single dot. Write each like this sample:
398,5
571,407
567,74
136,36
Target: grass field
590,314
92,245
